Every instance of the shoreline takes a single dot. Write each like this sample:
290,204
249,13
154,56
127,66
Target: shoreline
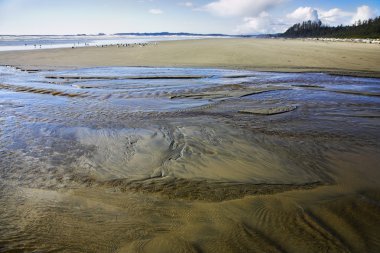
376,75
265,55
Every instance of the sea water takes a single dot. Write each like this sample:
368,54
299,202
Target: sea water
120,159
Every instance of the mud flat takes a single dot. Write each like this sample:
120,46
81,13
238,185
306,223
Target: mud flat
168,163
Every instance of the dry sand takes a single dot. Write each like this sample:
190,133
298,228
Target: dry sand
257,54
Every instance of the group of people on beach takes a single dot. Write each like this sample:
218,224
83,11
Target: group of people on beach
35,45
143,44
128,45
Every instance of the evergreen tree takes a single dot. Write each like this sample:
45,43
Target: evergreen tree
361,29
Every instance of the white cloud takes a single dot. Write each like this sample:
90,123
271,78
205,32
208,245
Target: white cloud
303,14
335,17
243,8
187,4
156,11
363,13
265,23
262,24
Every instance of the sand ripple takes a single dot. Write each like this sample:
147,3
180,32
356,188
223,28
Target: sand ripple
128,160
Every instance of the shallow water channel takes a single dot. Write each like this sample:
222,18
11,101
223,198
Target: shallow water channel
188,160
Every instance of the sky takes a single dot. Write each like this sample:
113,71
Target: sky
196,16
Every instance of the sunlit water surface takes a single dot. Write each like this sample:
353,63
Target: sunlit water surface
188,160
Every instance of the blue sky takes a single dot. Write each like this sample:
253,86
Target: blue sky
198,16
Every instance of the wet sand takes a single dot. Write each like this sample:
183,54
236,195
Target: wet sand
164,160
256,54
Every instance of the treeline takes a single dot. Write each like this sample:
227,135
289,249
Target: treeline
361,29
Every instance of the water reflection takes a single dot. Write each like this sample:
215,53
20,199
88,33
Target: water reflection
126,158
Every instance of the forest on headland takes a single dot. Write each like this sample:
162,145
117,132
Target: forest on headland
362,29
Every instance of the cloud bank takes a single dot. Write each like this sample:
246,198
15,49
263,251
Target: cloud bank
363,13
302,14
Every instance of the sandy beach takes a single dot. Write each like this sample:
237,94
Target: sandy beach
216,158
256,54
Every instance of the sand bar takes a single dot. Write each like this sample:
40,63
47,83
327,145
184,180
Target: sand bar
281,55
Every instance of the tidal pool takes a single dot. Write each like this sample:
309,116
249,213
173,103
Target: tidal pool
188,160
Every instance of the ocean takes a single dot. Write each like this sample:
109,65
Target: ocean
34,42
